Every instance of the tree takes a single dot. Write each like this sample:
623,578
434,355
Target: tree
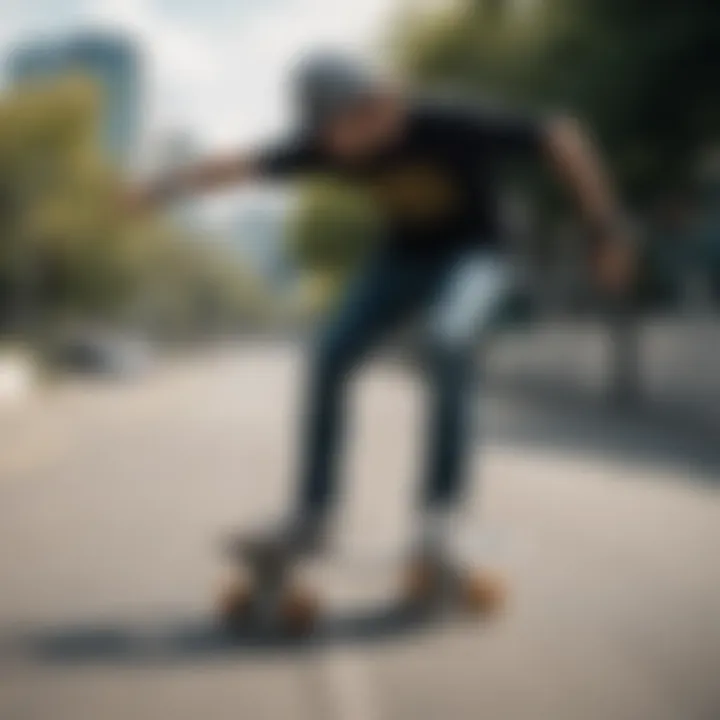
68,250
45,156
642,76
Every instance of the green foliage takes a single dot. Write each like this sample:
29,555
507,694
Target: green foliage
68,249
642,74
332,228
48,167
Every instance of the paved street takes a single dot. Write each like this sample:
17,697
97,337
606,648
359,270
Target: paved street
112,496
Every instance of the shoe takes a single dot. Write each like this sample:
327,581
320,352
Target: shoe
294,537
438,577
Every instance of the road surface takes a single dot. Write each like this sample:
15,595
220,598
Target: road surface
112,496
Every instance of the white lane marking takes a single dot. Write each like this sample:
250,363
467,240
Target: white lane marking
343,687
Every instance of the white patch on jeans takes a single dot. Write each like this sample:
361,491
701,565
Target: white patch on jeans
470,298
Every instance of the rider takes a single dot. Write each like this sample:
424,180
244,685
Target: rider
431,166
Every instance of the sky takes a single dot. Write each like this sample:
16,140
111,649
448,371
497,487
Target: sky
214,68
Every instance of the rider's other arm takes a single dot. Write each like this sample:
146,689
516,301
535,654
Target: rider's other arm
572,156
568,148
575,159
284,159
212,174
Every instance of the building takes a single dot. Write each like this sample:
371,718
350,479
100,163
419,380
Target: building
112,61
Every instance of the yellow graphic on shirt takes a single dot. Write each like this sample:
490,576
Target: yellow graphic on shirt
415,193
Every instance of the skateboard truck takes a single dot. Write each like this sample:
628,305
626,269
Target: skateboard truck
439,588
267,596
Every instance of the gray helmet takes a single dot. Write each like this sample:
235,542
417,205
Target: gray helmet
328,83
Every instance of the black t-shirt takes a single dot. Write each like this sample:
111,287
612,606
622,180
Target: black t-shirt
436,188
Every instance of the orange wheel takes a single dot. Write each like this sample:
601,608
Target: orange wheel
484,593
420,584
299,612
235,602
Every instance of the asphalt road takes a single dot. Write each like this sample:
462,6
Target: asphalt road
112,497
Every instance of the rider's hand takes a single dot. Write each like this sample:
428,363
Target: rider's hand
138,200
145,198
616,261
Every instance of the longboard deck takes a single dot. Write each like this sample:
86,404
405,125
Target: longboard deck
270,591
283,605
383,622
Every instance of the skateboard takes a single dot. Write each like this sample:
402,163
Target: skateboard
265,592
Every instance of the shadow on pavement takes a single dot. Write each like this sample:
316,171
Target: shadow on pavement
187,639
591,426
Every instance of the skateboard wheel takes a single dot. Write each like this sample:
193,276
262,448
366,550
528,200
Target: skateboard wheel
235,603
299,613
484,593
420,584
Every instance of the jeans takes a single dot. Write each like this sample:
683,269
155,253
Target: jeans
455,297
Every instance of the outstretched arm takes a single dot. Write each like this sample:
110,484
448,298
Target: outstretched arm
208,175
575,159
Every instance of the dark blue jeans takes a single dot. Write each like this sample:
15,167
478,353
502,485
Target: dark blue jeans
457,294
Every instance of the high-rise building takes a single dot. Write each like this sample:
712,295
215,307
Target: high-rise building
112,61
